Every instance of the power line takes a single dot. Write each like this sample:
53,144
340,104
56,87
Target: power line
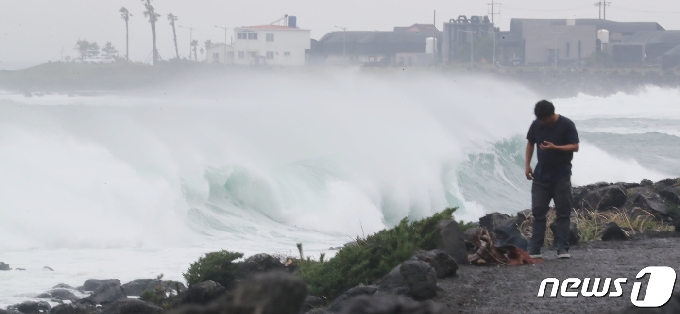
547,10
493,10
602,7
645,11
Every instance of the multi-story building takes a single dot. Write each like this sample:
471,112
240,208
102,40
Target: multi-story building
284,45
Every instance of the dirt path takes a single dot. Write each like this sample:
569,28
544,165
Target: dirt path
494,289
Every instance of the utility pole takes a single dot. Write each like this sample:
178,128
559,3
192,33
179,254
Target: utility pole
472,49
225,42
493,9
602,7
344,38
434,39
191,29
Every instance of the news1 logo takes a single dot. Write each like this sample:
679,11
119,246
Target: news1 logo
659,287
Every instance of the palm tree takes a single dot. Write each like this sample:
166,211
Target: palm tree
153,17
194,44
172,19
125,15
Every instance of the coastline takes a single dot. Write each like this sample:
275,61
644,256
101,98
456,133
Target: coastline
93,79
475,289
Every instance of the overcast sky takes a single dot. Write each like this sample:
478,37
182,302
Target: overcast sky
39,30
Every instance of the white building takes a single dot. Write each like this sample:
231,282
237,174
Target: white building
271,44
217,53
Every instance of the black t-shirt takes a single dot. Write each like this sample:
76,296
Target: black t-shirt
553,165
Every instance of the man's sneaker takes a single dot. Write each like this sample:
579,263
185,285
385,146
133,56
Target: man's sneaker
563,254
535,255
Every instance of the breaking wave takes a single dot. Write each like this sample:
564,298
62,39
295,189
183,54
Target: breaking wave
260,161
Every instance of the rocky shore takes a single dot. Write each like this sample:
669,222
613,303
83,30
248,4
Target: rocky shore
439,280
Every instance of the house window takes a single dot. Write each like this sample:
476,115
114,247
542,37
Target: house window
216,56
241,55
253,54
270,37
270,55
252,36
286,53
242,36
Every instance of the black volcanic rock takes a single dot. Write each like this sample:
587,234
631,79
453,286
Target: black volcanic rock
613,232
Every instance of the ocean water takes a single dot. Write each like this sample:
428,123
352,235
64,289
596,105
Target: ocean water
132,186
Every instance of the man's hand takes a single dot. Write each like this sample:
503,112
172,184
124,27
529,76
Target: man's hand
529,173
548,145
569,148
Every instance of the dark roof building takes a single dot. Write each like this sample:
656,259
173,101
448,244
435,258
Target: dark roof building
373,46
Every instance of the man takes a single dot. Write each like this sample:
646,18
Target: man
557,140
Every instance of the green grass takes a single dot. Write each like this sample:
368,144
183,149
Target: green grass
373,257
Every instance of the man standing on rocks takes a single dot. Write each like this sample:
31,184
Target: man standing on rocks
557,140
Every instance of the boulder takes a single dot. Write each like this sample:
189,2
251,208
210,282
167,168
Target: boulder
646,199
493,221
393,283
265,293
613,232
31,307
670,193
107,293
574,238
8,311
449,238
577,193
260,263
469,234
667,183
645,183
136,287
340,301
627,186
390,304
311,303
602,198
202,293
59,294
421,279
132,306
93,284
73,309
63,286
444,265
4,266
510,235
268,293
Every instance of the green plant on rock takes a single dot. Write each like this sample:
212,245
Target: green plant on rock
372,257
216,266
156,297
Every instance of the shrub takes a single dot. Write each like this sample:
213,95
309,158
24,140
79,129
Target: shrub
215,266
372,257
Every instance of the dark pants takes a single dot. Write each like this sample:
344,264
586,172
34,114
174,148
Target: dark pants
541,194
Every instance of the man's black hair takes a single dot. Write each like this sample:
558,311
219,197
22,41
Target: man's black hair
544,109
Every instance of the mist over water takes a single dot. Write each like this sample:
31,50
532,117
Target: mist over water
259,162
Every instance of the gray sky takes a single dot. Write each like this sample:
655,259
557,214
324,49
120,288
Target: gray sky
38,30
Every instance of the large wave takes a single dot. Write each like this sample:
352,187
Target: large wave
261,160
